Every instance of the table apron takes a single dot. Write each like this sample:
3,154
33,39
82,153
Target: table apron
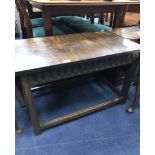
76,69
69,10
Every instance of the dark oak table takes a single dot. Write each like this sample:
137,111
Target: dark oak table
51,8
50,59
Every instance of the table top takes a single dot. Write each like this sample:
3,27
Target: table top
131,33
42,53
83,2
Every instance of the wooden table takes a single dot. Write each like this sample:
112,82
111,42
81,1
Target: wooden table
132,33
51,8
51,59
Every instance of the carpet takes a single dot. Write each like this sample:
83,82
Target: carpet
111,131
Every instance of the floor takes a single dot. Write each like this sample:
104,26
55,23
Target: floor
112,131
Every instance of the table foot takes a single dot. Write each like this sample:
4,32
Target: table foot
18,130
130,109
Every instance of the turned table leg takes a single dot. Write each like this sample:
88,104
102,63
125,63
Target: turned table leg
131,108
127,82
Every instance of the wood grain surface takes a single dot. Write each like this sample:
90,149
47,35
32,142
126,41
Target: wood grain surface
51,51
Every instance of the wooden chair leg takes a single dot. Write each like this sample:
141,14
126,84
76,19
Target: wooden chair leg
101,20
17,129
87,16
92,18
131,108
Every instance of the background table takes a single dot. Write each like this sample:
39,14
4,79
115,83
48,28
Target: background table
131,33
51,8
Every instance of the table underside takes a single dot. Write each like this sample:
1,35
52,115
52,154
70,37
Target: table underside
74,70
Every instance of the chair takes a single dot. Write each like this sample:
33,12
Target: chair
28,28
31,28
35,16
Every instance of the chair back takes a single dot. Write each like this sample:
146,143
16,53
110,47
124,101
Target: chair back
106,19
109,17
26,25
